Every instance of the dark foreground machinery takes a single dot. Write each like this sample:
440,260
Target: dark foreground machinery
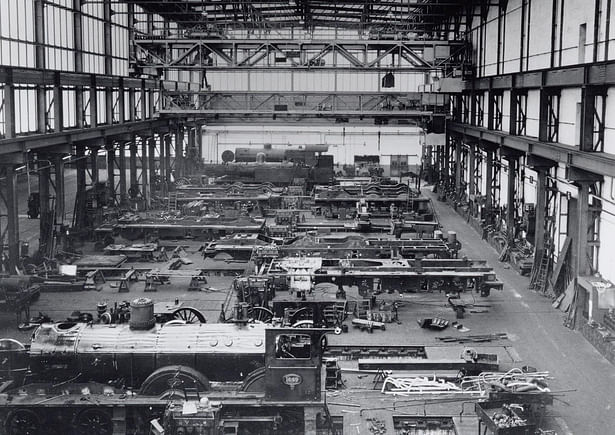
140,378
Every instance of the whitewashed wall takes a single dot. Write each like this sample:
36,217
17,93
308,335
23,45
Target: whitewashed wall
344,142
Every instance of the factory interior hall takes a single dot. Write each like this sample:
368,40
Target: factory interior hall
271,217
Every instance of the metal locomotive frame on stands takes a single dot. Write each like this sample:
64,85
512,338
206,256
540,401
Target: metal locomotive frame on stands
272,293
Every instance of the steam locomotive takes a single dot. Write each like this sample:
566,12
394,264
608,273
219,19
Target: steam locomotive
301,153
155,358
278,166
243,378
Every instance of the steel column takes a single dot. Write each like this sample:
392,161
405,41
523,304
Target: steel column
143,102
510,207
543,114
458,174
541,208
45,216
58,105
134,181
39,38
111,171
190,151
179,152
446,158
121,103
9,108
122,165
94,165
108,51
12,217
132,111
152,164
59,187
582,256
167,161
489,181
162,164
78,53
472,170
93,102
199,142
131,30
79,220
145,172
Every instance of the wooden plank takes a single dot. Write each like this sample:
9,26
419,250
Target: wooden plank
561,259
101,260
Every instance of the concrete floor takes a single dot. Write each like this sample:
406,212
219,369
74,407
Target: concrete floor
542,340
537,335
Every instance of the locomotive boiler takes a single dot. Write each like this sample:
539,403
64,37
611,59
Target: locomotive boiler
216,352
300,153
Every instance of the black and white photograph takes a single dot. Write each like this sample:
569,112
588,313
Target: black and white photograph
306,217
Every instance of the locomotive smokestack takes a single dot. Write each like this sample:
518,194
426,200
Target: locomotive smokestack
142,314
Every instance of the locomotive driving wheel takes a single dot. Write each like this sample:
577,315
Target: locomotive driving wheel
23,422
261,314
93,422
189,315
173,378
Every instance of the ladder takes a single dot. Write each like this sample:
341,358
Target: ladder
362,308
539,276
540,270
172,205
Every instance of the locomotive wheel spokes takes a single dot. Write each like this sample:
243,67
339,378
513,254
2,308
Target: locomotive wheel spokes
173,378
262,314
303,313
94,422
189,315
23,422
303,324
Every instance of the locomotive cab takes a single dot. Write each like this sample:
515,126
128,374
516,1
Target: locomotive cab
293,364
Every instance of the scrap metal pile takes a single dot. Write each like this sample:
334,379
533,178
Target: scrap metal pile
484,384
